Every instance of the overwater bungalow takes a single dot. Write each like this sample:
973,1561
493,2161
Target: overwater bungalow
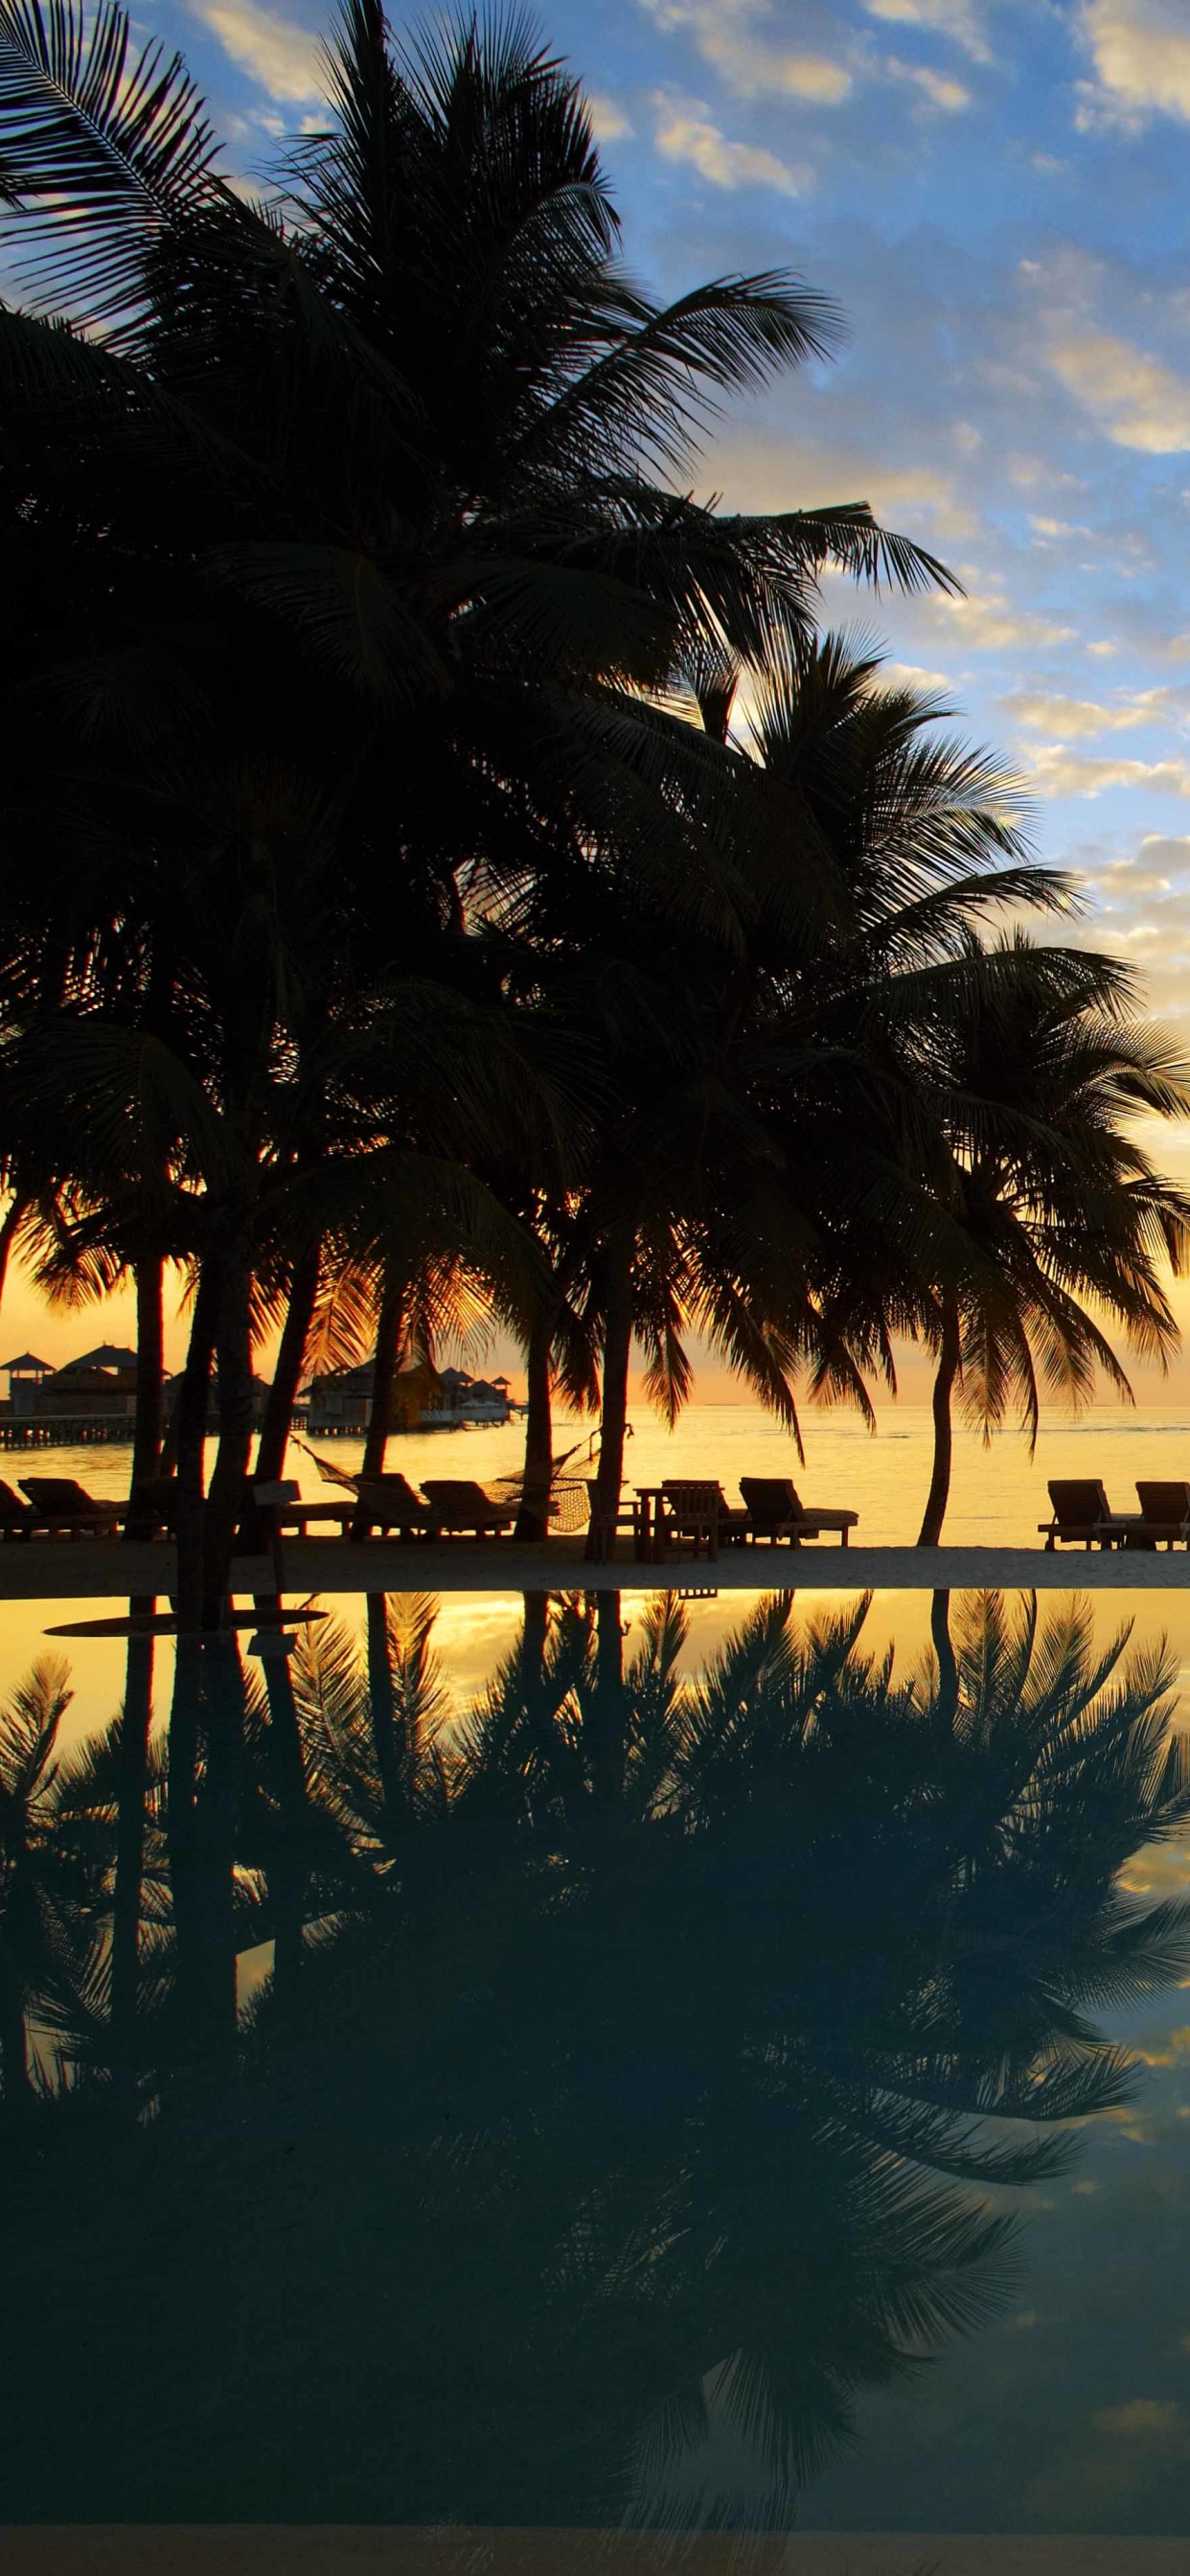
339,1403
91,1398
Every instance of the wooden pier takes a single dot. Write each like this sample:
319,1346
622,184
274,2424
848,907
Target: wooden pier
38,1431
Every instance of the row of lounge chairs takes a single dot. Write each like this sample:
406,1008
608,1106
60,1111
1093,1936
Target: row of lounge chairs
679,1511
58,1507
1083,1517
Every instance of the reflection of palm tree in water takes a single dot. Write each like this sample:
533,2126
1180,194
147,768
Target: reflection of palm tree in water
646,2040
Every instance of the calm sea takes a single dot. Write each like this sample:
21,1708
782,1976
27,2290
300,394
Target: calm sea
998,1494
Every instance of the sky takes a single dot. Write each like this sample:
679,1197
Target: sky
997,195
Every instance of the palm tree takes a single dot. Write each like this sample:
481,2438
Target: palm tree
1058,1215
467,619
761,1135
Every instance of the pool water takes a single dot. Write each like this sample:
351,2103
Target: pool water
601,2064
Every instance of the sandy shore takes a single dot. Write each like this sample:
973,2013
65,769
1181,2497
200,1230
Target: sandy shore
90,1569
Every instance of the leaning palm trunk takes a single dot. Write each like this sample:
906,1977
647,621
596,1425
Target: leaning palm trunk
225,1502
949,1361
189,1434
617,1352
533,1518
390,1328
287,1376
150,1375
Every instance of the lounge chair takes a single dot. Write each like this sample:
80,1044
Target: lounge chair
1164,1516
776,1511
1082,1515
386,1503
699,1510
153,1507
60,1504
17,1519
458,1507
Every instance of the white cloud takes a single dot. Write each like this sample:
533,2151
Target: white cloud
1075,719
282,58
1050,530
1166,850
939,91
910,675
1141,53
761,471
1055,771
724,33
685,132
986,623
608,118
1137,400
954,18
1028,471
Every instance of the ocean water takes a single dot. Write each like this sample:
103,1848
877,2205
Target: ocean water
998,1493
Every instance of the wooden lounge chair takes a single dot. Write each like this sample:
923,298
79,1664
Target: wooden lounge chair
17,1519
1164,1516
386,1503
1082,1515
61,1504
153,1508
699,1510
459,1508
776,1511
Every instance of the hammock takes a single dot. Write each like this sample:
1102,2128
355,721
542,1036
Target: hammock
332,1475
567,1494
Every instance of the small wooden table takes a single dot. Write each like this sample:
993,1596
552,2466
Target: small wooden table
653,1523
649,1523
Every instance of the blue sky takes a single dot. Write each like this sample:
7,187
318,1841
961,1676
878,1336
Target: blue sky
998,194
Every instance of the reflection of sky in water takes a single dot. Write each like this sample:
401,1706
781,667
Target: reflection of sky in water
1070,2410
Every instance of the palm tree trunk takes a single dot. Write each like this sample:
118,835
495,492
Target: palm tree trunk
949,1355
225,1502
617,1352
150,1374
533,1517
190,1433
130,1844
389,1334
287,1376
